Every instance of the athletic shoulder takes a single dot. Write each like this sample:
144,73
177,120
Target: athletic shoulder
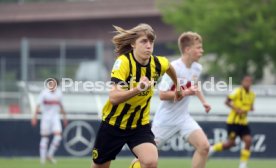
234,93
59,92
197,66
122,59
44,91
177,63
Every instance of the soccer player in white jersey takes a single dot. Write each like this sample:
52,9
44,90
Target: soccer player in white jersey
172,117
50,106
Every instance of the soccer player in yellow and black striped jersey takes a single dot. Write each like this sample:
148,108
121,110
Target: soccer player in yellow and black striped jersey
241,101
126,113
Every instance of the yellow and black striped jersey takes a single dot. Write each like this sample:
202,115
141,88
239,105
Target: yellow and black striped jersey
135,111
243,100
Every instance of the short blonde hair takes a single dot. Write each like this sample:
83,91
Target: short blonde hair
124,38
188,39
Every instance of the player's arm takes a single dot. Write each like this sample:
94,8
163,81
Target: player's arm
170,95
253,102
34,118
202,99
37,109
178,91
119,76
119,95
62,111
167,94
252,107
229,103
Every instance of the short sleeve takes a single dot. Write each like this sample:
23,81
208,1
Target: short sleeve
233,94
165,64
120,70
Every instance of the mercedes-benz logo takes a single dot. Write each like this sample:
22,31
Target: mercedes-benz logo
79,138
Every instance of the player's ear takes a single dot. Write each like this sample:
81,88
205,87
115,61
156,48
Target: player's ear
187,49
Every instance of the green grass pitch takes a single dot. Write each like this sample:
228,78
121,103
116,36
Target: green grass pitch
123,162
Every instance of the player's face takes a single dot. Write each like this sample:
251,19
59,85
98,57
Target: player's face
196,51
52,85
143,47
247,82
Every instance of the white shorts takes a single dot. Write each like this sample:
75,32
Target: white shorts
49,126
164,133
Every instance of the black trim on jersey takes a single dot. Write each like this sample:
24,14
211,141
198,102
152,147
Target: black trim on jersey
148,71
157,65
139,122
138,72
116,80
123,112
131,118
112,112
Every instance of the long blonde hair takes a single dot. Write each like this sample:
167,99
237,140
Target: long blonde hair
188,39
124,38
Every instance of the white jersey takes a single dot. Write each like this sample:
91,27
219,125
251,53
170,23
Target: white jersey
175,113
50,103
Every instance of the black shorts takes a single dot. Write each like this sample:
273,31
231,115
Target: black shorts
235,130
110,141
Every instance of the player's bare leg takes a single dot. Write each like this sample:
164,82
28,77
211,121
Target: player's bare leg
147,154
199,140
104,165
245,153
53,147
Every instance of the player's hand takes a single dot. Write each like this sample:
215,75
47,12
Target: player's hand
145,83
188,92
207,107
65,122
178,95
191,91
239,111
34,122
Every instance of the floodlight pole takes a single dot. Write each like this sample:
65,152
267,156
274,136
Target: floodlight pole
24,59
62,59
99,56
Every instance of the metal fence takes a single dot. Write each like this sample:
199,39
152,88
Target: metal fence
39,59
81,60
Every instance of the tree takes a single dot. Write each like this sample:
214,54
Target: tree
240,33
